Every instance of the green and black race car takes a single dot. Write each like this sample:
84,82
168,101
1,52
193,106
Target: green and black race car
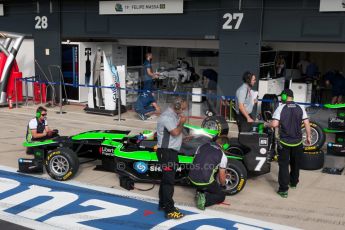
134,156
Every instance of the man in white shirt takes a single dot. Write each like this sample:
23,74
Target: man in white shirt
38,127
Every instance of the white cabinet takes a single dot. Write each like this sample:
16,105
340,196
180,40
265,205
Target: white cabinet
196,98
271,86
302,92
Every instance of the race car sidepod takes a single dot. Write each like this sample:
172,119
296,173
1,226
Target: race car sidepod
255,159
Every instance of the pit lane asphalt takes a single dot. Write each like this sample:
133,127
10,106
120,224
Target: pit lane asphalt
317,203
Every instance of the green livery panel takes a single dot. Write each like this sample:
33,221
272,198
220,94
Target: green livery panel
326,130
98,135
38,143
334,106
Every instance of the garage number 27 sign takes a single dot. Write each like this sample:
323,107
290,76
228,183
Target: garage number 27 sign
233,21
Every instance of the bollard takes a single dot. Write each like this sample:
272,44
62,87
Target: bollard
187,107
41,92
26,92
15,92
60,97
119,104
158,96
10,102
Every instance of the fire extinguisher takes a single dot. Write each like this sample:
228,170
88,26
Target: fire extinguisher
10,102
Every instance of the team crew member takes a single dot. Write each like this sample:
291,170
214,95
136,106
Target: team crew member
169,134
289,117
38,127
146,105
209,159
148,73
245,102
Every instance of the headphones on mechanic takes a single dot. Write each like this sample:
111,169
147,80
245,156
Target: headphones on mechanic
225,146
38,114
284,97
247,77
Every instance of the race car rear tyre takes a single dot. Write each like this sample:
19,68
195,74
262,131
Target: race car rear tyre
312,160
61,164
216,123
236,176
318,137
235,149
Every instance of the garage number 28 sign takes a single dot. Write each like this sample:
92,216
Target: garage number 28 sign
41,22
233,21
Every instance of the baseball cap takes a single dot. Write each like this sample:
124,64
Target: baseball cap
288,92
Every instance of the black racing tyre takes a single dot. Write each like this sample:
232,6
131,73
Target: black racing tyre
318,137
216,123
269,107
61,164
235,148
312,160
236,175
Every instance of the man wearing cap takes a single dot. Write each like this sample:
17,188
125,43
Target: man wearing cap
146,105
289,117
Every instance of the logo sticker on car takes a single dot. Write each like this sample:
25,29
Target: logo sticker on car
263,141
141,167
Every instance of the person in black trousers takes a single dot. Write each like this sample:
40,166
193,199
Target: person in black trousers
289,117
169,135
245,102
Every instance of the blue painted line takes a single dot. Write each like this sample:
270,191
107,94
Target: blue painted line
85,207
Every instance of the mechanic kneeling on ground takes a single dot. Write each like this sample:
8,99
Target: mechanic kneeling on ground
209,159
169,134
146,105
288,117
38,129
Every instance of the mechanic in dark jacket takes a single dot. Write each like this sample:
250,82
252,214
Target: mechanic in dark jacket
209,159
289,117
146,105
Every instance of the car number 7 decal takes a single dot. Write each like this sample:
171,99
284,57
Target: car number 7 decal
261,160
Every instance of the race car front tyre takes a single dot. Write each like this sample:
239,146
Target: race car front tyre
236,177
318,137
61,164
312,160
216,123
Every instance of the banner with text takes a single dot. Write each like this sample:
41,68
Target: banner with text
332,5
141,7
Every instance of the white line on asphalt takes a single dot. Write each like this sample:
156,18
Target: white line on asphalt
22,221
206,214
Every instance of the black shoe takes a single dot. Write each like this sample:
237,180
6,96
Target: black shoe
174,214
283,194
293,186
